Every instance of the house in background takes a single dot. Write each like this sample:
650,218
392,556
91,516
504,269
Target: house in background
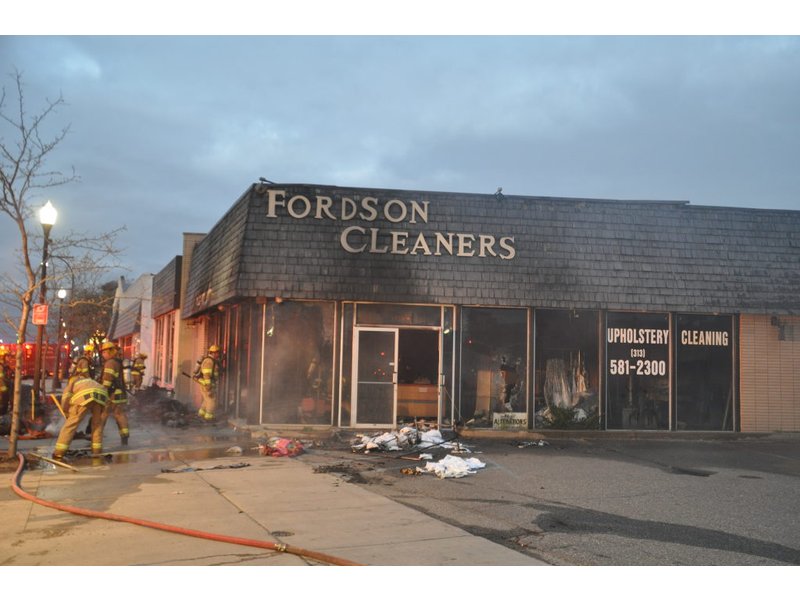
132,325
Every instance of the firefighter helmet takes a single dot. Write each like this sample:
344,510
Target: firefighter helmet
213,348
142,355
88,348
108,346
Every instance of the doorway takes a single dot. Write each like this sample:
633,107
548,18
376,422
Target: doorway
395,376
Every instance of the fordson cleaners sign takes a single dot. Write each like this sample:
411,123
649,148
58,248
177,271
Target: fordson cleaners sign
384,238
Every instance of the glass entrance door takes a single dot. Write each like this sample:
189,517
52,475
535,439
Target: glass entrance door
375,380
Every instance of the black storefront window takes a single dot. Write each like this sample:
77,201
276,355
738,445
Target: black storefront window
704,372
298,361
493,365
567,373
637,371
398,314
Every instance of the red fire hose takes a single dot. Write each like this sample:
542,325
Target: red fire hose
319,556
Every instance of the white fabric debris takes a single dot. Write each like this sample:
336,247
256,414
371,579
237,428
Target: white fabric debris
428,438
385,441
405,439
453,467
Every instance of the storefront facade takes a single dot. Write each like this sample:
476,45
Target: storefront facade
166,316
364,308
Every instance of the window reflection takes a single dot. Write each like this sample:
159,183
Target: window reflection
493,364
567,375
704,372
637,369
298,359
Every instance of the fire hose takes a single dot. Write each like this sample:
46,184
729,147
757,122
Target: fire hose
278,547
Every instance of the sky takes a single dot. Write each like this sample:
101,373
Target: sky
166,132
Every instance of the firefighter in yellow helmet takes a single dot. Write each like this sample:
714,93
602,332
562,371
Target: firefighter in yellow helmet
82,396
137,371
84,364
111,378
207,374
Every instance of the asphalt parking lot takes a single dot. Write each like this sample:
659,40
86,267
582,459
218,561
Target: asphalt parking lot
729,501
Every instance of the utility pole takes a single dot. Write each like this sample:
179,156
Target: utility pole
47,217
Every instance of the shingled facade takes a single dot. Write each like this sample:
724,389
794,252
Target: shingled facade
365,307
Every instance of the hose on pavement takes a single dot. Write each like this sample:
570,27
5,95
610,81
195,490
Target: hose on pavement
278,547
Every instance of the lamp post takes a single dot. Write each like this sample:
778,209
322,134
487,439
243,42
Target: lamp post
62,293
47,217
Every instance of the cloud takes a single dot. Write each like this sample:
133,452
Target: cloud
79,66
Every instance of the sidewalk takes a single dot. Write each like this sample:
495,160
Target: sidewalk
272,499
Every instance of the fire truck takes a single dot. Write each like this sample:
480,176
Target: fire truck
29,358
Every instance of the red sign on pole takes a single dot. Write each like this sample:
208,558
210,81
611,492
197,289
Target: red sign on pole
40,314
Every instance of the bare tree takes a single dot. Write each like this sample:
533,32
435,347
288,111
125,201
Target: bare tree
24,175
88,306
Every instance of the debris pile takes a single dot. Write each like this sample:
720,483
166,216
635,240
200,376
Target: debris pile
390,441
537,443
412,439
29,429
405,439
279,446
157,404
452,467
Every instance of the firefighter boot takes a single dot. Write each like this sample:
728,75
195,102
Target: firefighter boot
124,439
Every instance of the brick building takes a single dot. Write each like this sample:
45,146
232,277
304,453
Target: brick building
355,307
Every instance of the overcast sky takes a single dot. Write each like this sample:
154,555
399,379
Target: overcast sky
167,132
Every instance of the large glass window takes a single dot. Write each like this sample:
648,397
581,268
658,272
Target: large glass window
637,371
493,364
169,349
567,372
298,362
251,333
448,349
239,331
348,316
704,372
164,355
158,366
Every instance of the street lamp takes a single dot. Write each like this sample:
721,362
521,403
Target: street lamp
62,293
47,217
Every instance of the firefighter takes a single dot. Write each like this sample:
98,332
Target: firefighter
207,374
84,365
111,378
83,395
137,371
